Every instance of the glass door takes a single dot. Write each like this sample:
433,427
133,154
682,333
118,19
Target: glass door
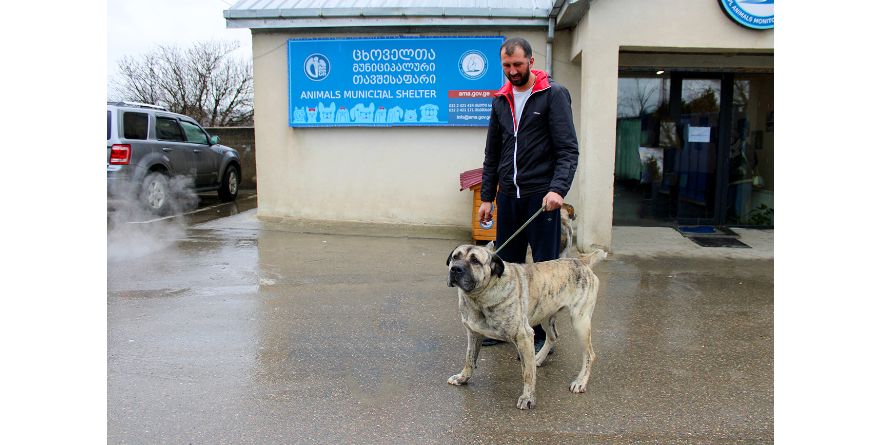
750,196
692,178
694,148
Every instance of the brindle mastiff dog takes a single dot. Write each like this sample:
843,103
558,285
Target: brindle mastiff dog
504,300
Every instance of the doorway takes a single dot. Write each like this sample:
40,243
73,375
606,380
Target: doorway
685,150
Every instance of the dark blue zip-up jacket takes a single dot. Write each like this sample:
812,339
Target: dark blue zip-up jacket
544,148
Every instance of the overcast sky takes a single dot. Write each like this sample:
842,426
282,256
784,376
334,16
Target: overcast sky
136,27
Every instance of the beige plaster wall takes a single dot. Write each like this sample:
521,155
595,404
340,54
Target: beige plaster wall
376,175
410,175
608,27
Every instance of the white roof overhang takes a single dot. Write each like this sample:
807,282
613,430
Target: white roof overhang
331,15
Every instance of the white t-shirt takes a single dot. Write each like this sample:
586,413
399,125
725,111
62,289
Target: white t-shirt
520,101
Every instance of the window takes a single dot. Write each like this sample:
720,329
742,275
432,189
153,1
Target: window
194,133
109,124
642,95
135,126
751,193
694,148
168,130
642,137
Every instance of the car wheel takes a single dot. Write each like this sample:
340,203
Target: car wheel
230,184
155,194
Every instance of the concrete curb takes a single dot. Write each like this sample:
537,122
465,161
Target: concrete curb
250,220
642,242
667,242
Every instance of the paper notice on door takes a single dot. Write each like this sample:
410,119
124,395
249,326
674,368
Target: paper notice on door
699,134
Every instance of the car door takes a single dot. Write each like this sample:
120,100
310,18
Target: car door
171,141
204,157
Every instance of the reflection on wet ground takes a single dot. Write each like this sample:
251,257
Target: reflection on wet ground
248,332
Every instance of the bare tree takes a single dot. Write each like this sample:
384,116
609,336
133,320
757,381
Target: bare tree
638,98
203,82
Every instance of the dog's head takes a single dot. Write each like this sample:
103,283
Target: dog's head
472,267
567,212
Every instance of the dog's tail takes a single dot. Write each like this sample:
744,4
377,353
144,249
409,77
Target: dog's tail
594,257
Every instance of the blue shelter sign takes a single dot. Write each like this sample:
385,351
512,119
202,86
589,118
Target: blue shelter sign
409,81
753,14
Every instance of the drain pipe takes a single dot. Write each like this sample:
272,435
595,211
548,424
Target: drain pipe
549,62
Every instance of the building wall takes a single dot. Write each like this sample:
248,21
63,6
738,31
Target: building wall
410,175
609,27
393,175
241,139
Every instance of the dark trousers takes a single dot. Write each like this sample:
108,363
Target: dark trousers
543,233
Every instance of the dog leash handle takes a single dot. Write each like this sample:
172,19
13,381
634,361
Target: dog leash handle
537,212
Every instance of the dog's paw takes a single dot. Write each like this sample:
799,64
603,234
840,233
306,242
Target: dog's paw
578,387
526,402
457,380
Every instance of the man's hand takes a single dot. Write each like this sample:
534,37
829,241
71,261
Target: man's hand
485,212
551,201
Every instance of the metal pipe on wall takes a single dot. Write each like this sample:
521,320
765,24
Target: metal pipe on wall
549,57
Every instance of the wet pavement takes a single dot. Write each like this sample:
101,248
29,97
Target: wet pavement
231,330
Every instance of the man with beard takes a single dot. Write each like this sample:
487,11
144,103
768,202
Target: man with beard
531,157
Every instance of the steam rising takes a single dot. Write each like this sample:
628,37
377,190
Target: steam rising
133,231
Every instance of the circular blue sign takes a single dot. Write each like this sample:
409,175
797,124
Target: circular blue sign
754,14
317,67
473,64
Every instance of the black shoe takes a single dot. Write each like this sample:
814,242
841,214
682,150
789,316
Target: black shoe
490,342
540,336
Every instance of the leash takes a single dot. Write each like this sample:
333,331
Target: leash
538,212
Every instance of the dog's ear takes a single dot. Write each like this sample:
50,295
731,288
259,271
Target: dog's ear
497,265
449,259
570,210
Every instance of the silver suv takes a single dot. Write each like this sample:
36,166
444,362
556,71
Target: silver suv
148,146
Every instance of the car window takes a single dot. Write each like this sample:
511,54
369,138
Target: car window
109,124
135,125
168,130
194,133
